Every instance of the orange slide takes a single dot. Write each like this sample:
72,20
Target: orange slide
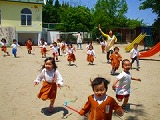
150,52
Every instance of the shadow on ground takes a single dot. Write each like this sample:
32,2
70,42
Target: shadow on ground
55,110
137,111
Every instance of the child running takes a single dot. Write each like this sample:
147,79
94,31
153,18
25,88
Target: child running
51,79
103,45
14,46
54,49
115,60
29,45
4,46
70,53
124,79
91,55
43,45
134,55
63,47
99,105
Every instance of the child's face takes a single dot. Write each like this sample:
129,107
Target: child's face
126,66
99,90
135,46
49,65
116,51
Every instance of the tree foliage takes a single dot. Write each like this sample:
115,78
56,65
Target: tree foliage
155,6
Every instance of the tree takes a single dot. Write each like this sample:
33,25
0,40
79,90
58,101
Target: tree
155,6
110,14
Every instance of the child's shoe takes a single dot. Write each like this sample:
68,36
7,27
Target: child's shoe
50,109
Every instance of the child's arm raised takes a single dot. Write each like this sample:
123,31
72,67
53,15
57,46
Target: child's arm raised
136,79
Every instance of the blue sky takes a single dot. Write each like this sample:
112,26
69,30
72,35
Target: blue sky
133,12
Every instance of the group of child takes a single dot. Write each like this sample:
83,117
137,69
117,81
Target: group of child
99,105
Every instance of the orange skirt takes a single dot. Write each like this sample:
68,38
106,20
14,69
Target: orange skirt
48,91
43,50
103,48
71,57
4,48
90,58
63,47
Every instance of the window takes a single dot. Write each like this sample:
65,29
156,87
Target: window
26,17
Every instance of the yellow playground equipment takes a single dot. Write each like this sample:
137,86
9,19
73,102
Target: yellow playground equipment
136,40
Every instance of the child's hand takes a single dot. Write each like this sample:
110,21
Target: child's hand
114,87
36,83
58,85
120,111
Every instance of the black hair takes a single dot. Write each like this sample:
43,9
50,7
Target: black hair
98,81
14,40
135,44
52,60
124,61
116,48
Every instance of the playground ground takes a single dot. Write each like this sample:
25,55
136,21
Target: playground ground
18,99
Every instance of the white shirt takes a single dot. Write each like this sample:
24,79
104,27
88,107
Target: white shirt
55,49
104,43
70,51
91,52
79,37
49,75
134,52
3,44
124,83
15,46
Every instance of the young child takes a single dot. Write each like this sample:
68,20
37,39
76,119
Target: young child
115,60
54,49
51,79
91,55
124,79
29,45
103,45
99,105
4,46
63,47
14,46
134,55
89,43
43,48
70,53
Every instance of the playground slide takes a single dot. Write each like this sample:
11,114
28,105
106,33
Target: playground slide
151,52
137,40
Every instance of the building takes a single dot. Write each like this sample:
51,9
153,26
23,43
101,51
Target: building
21,19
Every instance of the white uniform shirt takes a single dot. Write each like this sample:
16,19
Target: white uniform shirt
124,83
55,49
91,52
70,51
104,43
49,75
3,44
134,53
15,46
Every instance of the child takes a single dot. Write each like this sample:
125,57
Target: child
4,46
115,60
29,45
59,44
99,105
43,48
70,53
134,55
63,47
90,55
55,50
124,79
89,43
14,46
51,79
103,45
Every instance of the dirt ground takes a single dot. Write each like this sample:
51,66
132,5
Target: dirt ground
18,99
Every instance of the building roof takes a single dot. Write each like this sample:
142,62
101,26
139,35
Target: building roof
26,1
